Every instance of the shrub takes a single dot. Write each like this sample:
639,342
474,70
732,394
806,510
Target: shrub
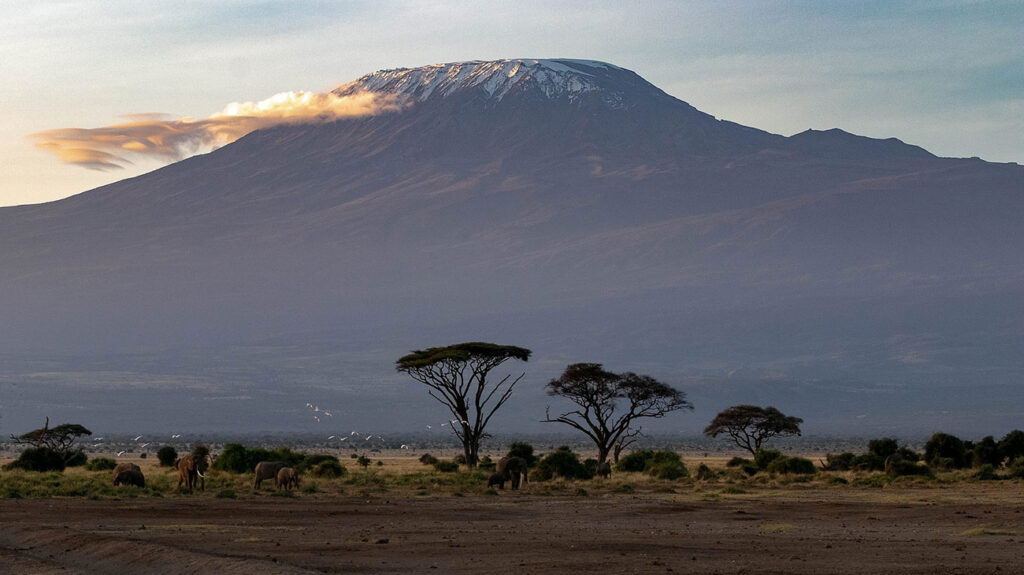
985,473
986,452
882,447
486,464
840,462
738,462
1011,446
904,467
363,461
635,461
329,468
1016,468
942,446
795,465
426,459
704,473
868,462
167,456
77,459
764,457
38,459
101,464
908,454
524,450
562,462
460,459
312,461
666,465
445,466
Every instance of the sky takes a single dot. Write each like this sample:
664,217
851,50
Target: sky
945,75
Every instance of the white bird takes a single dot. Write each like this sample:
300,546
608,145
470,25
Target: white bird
368,438
343,439
138,438
404,446
317,408
309,405
144,444
353,433
316,418
428,427
120,453
176,436
330,438
443,424
97,439
328,413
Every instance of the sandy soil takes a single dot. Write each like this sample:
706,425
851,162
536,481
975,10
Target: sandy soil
974,528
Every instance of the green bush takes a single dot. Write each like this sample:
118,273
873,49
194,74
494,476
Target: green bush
524,450
167,456
635,461
486,464
445,466
840,462
428,459
868,462
562,462
882,447
794,465
942,446
76,459
704,473
986,452
666,465
905,467
312,461
738,462
1011,446
764,457
460,459
986,473
38,459
1016,468
101,464
329,468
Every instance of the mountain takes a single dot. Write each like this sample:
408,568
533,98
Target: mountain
567,206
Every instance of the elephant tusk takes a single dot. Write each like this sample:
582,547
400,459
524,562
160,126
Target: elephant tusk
200,473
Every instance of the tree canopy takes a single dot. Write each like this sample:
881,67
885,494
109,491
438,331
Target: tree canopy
750,426
59,438
456,376
608,404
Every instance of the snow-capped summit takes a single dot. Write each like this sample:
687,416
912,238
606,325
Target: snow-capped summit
555,79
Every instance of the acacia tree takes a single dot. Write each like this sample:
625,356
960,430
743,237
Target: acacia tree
57,439
456,376
609,403
750,426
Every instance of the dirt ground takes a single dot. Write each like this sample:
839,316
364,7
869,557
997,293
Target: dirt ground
971,528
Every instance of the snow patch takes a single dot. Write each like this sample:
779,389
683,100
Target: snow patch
554,78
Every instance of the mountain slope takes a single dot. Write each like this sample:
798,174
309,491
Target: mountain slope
568,206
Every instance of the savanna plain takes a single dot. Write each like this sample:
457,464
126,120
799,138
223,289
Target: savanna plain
397,515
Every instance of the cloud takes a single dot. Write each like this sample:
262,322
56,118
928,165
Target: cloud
157,136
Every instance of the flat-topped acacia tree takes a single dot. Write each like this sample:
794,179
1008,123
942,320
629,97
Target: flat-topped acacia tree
608,404
456,376
749,426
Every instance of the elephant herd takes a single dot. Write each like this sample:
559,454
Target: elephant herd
192,471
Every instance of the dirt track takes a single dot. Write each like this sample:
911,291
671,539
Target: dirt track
519,533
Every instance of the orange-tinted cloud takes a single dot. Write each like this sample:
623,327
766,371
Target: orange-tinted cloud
151,135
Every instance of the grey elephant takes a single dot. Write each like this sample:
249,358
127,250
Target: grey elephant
513,469
287,478
126,466
496,479
266,470
130,477
604,469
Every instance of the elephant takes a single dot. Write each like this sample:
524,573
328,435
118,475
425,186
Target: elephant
496,479
512,468
604,469
193,467
130,477
266,470
287,478
126,466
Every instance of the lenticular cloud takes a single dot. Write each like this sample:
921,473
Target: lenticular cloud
154,136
